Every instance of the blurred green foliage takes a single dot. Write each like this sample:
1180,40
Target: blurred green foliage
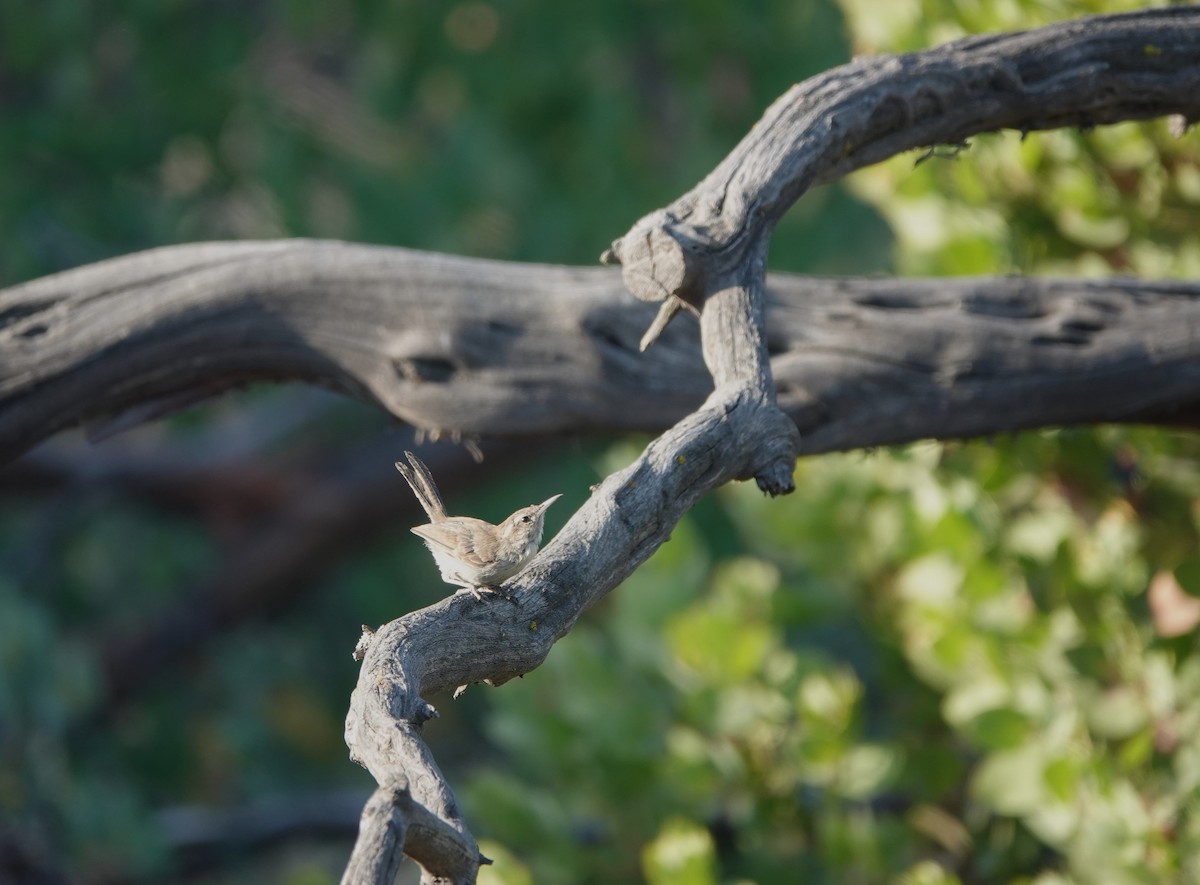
948,663
935,656
520,129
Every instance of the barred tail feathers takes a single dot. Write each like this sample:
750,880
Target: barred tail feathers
421,481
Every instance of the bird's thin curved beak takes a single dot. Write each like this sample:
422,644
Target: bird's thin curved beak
546,504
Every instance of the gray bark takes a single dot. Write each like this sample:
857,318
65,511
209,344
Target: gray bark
794,366
488,348
1077,73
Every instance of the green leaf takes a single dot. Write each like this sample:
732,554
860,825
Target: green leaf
721,647
1117,713
505,868
927,872
999,729
681,854
1039,533
865,769
1062,778
933,580
1012,781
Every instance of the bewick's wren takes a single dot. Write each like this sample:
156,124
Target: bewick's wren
470,553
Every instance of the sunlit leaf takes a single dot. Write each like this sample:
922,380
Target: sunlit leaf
505,868
1117,713
927,872
1012,781
681,854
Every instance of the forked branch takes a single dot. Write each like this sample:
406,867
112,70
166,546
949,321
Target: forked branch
707,251
484,347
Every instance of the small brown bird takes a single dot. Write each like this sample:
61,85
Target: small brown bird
472,554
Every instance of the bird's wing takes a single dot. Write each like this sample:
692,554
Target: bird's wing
435,536
463,537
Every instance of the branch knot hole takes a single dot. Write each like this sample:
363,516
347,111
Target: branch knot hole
424,368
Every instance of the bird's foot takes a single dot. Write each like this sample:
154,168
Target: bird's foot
479,590
501,592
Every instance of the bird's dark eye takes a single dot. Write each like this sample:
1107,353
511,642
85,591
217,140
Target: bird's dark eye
526,518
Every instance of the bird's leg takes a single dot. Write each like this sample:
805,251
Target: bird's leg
501,592
477,590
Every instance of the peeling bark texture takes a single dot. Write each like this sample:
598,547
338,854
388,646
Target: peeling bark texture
774,368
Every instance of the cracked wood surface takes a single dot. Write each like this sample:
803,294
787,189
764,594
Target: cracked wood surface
497,349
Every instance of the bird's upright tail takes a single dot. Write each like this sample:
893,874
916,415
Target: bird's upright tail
421,480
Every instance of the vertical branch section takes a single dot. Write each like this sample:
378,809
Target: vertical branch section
739,432
378,851
413,812
733,338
